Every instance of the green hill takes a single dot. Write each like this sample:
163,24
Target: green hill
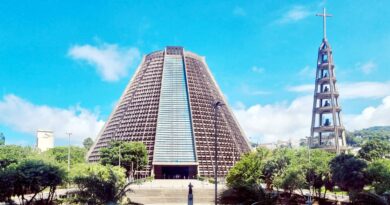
358,137
378,128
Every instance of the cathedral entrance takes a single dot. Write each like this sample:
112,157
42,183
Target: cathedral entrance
174,172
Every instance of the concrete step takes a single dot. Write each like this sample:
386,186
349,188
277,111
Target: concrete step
171,196
173,192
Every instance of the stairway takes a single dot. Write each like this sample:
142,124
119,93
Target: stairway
173,192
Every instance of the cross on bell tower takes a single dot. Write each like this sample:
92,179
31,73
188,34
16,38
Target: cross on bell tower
327,130
324,15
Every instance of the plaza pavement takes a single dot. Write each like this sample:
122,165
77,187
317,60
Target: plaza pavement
176,192
173,192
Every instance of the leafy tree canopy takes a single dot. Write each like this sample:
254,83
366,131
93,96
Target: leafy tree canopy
276,164
88,142
99,184
7,180
98,170
248,195
30,177
358,137
60,154
247,171
374,149
291,179
379,173
10,154
348,172
291,173
2,139
133,155
316,170
365,198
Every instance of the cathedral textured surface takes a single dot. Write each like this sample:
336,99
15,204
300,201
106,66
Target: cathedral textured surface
168,105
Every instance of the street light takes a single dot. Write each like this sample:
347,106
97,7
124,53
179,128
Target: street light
69,134
216,105
309,202
119,155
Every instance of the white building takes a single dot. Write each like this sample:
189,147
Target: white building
45,140
277,144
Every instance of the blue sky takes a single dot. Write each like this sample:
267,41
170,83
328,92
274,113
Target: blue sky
64,64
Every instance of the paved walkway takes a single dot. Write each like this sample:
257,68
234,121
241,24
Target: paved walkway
175,183
176,192
173,192
331,196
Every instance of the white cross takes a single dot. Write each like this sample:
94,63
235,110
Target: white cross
324,15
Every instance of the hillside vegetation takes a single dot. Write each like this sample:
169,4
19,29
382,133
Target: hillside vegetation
358,137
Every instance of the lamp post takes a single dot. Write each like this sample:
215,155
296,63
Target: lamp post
309,202
69,134
216,105
119,155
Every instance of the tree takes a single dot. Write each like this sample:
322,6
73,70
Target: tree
374,149
291,179
365,198
60,154
275,165
271,169
11,154
254,195
88,142
2,139
7,180
379,174
247,171
133,156
99,184
358,137
291,169
348,172
32,177
317,171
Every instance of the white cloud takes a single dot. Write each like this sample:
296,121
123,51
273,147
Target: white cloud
279,121
353,90
239,11
365,90
366,67
23,116
370,116
257,69
284,121
296,13
110,61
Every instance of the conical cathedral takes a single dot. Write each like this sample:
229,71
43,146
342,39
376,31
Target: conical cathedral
169,105
327,130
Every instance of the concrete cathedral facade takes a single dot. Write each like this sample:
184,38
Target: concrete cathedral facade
168,105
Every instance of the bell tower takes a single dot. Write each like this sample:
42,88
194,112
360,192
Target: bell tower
327,130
